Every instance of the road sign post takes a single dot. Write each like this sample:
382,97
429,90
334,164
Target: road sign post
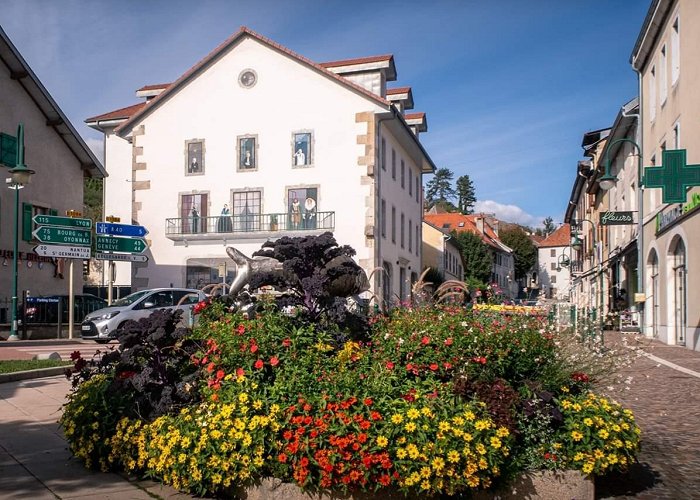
120,229
116,244
123,257
63,251
62,236
56,220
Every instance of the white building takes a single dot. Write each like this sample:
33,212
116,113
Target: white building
554,259
291,146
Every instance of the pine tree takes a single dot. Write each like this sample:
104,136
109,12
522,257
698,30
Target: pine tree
466,195
439,188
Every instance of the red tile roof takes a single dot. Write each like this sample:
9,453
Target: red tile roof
154,86
452,221
119,114
359,60
398,90
415,116
559,238
243,31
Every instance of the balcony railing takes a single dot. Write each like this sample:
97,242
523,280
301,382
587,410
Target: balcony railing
576,266
249,224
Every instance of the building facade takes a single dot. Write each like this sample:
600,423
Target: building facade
665,59
554,264
256,142
441,253
61,160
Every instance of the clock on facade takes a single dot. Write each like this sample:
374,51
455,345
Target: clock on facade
247,78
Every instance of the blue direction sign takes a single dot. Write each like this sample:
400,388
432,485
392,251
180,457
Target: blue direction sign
120,229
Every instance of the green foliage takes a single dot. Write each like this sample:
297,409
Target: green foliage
92,198
549,226
20,365
524,250
477,257
466,195
439,188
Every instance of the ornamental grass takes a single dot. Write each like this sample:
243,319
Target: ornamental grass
427,401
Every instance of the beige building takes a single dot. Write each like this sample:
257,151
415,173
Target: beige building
441,253
665,57
61,161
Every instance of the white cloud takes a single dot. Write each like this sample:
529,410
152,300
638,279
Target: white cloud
508,213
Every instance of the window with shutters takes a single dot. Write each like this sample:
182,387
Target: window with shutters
675,52
28,213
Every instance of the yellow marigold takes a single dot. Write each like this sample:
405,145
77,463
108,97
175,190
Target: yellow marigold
483,464
382,441
495,443
469,415
563,388
473,481
481,449
598,454
425,485
481,425
588,421
413,414
579,456
410,427
243,397
603,433
453,456
257,404
458,420
587,467
401,453
412,451
467,437
426,472
396,418
576,435
444,426
502,432
426,412
438,463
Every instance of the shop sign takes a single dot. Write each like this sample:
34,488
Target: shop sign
616,218
663,220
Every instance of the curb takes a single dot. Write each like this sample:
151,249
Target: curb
29,374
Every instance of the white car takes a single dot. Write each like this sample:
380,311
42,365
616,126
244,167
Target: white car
102,325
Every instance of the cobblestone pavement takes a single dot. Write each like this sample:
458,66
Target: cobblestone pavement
666,404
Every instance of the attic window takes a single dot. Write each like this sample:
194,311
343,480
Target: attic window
461,224
446,225
247,78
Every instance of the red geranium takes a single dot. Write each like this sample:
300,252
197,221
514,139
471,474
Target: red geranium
389,365
274,361
259,364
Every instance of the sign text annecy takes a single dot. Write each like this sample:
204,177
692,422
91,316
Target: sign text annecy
114,244
616,218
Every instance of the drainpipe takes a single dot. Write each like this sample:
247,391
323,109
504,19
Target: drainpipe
640,205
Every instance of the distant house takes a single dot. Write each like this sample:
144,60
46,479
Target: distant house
61,160
554,258
486,227
440,252
255,142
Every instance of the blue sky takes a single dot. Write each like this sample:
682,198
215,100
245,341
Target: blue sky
509,87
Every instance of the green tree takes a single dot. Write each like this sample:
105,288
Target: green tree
549,226
466,195
477,258
92,198
524,250
439,188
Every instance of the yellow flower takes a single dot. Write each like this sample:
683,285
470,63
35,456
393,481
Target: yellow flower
412,451
458,420
481,425
587,467
426,412
576,435
481,449
257,404
410,427
579,456
598,454
495,443
425,485
467,437
413,414
438,463
425,472
453,456
603,433
588,421
401,453
564,388
382,441
444,426
396,418
469,415
502,432
243,397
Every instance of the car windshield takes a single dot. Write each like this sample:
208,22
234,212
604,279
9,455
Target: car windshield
130,299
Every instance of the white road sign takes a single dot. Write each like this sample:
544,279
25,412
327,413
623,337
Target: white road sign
121,257
62,251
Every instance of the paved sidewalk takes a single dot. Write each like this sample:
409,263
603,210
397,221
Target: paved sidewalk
666,404
34,459
27,349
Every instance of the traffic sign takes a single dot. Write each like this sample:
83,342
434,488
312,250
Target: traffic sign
115,244
61,235
56,220
120,229
126,257
61,251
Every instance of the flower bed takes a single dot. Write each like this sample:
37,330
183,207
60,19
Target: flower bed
426,401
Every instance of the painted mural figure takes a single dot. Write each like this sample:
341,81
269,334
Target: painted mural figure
310,213
194,214
224,225
296,213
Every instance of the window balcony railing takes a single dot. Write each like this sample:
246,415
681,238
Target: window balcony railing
576,266
242,225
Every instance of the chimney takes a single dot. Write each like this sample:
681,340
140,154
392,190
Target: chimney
480,224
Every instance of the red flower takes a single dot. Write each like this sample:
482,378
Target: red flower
409,366
448,341
307,407
447,365
199,307
274,361
287,435
364,425
282,458
74,355
304,461
240,329
286,342
425,340
254,348
434,366
220,374
210,367
214,397
389,365
479,359
258,364
126,374
375,415
384,480
240,372
368,401
580,377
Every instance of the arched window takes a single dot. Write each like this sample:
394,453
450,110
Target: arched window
679,290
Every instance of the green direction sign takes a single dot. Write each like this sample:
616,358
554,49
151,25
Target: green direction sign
62,236
55,220
673,176
114,244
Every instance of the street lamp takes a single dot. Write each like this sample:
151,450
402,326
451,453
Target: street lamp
21,175
577,244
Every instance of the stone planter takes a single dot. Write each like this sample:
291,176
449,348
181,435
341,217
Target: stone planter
543,485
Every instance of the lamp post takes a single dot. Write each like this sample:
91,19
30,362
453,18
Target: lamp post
577,244
21,175
606,182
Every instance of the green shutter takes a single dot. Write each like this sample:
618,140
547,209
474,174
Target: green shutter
53,211
8,150
27,210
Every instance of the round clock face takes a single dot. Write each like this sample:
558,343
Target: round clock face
247,78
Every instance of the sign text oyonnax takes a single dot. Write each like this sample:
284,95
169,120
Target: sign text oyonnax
61,235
